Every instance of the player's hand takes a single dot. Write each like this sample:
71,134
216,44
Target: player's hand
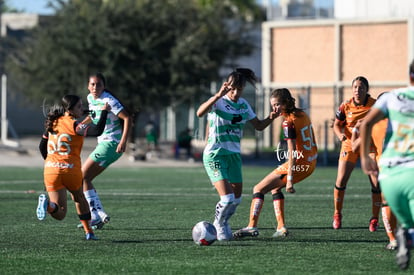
121,147
289,187
106,107
274,115
369,166
224,89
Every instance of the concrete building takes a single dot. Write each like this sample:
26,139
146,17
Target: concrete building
318,59
18,115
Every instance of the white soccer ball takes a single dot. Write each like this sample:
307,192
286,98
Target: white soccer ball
204,233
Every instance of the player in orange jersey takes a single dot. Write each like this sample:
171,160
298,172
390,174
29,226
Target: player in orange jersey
346,118
300,162
61,146
378,136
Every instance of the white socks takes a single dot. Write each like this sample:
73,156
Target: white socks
223,208
95,204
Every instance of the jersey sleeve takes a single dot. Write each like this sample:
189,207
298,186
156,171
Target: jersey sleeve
43,144
289,130
116,106
340,113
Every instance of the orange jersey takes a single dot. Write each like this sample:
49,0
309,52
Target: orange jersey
378,135
64,148
298,126
349,114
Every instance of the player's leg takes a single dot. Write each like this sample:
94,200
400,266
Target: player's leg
59,199
223,206
217,170
345,169
376,202
55,202
396,184
235,178
84,214
390,225
271,181
92,169
279,208
305,169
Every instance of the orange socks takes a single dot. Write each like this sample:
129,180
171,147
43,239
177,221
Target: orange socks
255,208
279,207
339,194
376,203
85,220
86,226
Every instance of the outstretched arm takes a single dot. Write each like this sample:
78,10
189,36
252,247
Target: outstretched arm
124,115
90,129
260,125
205,107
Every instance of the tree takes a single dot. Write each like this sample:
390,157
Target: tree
153,53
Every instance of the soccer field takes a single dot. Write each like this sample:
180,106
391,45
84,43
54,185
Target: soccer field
152,213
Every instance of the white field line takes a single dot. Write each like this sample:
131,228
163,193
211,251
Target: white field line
194,193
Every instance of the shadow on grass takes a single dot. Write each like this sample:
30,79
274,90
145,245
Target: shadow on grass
296,235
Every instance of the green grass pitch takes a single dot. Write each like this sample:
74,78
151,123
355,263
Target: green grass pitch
152,213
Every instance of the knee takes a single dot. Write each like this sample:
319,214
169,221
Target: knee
59,214
257,189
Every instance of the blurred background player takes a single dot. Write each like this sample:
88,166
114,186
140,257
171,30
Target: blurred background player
184,142
302,157
227,115
347,116
60,146
151,134
396,164
111,143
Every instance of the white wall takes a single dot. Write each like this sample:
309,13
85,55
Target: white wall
344,9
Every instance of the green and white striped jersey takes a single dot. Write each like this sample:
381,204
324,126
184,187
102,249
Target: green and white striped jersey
226,121
113,126
398,107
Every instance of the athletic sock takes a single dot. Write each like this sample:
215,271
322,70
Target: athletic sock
85,220
98,204
90,196
390,222
232,209
222,208
255,209
279,207
339,194
376,202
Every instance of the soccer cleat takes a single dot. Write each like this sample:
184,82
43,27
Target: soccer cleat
42,207
403,249
392,245
228,231
222,232
246,232
282,232
337,221
98,225
373,224
95,224
91,237
104,217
